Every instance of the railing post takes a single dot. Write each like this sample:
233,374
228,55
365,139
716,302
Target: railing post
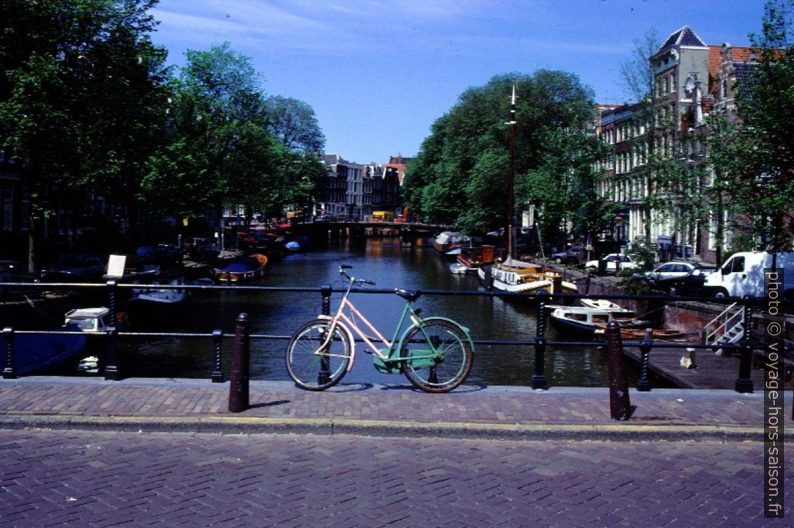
111,364
9,372
325,291
217,372
111,346
619,404
539,376
238,387
111,284
645,350
744,383
324,373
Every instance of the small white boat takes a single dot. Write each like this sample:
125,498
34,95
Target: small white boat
89,319
601,304
584,320
449,240
161,296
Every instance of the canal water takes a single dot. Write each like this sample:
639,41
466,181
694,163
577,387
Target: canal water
391,265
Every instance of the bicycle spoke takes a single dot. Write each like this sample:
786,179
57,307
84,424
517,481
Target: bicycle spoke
314,369
437,357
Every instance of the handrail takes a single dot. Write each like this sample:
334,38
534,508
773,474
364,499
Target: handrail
539,342
738,313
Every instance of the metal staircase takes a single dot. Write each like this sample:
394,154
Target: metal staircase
725,329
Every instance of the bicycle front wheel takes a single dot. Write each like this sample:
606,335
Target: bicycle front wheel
436,357
315,362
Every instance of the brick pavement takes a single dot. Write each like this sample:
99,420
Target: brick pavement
517,412
112,478
86,452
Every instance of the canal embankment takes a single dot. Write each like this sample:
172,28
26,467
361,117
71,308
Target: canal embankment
693,368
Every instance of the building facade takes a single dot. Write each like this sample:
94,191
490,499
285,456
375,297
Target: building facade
668,133
351,191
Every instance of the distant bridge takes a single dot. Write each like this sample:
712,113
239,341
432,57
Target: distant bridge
407,231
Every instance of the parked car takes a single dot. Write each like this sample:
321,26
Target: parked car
613,263
75,267
678,277
572,255
742,275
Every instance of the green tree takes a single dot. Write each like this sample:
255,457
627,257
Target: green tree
219,151
753,155
461,173
81,98
295,124
766,110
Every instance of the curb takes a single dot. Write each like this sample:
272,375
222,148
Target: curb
384,428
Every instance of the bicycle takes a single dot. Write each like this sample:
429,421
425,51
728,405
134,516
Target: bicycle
434,353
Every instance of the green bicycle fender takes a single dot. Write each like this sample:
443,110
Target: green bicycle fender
436,318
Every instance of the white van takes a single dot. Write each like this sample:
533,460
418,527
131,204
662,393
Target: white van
743,274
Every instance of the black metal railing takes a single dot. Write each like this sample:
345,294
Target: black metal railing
539,343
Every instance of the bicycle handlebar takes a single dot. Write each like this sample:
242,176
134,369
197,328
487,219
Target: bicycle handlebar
353,280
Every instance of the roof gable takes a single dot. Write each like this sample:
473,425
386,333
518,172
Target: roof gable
682,37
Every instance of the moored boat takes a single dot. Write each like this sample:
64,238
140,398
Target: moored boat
601,304
474,257
35,352
242,269
449,240
161,296
587,321
518,276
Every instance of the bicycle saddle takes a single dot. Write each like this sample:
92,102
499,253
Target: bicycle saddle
408,295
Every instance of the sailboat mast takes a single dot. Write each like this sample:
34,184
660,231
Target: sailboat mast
511,214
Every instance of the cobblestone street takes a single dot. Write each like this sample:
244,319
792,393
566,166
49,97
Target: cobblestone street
87,478
87,452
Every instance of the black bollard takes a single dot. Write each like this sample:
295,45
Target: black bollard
619,404
645,350
8,371
217,373
238,387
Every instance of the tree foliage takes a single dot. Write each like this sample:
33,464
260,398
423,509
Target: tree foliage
295,124
461,174
221,150
81,95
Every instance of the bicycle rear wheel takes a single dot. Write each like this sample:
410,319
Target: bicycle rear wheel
312,368
437,357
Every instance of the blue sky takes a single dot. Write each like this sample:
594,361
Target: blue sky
378,73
